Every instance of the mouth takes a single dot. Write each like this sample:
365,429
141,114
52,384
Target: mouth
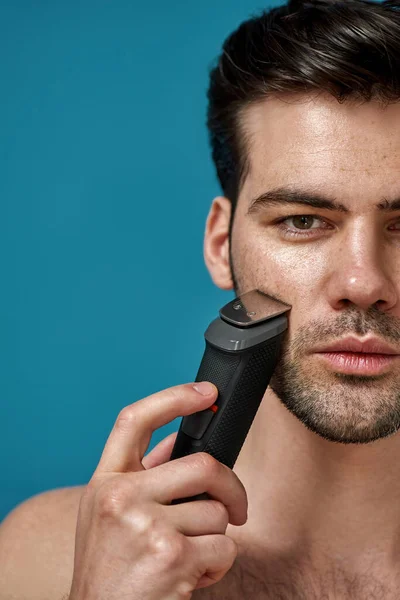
358,363
354,356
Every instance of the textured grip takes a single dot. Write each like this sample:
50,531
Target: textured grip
249,383
218,367
242,378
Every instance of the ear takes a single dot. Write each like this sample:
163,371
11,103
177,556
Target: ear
216,243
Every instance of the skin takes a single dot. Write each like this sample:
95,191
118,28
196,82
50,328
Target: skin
324,495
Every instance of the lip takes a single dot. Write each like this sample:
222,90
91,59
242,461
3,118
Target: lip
358,357
352,344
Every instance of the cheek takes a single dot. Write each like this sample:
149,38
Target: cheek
295,272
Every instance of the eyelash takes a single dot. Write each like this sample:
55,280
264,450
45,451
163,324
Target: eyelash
287,232
304,233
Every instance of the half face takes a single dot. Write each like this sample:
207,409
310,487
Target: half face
317,225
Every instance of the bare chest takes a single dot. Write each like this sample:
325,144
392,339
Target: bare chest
245,581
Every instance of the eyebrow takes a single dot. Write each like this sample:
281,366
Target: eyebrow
290,195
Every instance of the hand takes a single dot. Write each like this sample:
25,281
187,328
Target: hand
131,543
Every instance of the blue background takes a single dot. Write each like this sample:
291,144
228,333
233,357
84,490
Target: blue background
106,180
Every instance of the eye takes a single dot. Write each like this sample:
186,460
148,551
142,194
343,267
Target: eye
302,221
303,225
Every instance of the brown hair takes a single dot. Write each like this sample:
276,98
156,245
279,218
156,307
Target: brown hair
350,49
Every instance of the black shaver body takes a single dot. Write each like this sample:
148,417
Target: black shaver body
242,350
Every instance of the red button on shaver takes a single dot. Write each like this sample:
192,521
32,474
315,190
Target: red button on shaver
214,408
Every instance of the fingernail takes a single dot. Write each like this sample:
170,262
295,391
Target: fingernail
205,388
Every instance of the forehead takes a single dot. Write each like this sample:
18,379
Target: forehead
343,148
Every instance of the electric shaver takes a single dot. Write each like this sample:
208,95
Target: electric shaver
242,350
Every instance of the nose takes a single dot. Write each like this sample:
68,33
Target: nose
363,271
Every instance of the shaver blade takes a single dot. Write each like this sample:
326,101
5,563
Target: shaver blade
251,308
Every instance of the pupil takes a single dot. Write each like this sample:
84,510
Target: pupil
302,222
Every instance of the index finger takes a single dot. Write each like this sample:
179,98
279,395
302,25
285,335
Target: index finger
131,434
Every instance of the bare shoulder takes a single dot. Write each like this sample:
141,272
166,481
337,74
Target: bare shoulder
37,541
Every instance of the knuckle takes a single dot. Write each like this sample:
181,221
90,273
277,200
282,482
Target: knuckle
110,500
142,521
176,392
179,393
168,546
127,416
207,464
177,396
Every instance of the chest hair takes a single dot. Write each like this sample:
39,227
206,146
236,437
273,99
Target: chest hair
248,580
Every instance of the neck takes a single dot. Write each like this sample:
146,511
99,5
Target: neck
337,503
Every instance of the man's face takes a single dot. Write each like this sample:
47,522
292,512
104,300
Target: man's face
339,269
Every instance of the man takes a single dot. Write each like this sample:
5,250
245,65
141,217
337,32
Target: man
304,124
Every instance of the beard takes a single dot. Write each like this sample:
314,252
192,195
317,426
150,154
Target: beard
347,409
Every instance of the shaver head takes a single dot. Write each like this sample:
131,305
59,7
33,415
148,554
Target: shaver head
251,308
250,319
